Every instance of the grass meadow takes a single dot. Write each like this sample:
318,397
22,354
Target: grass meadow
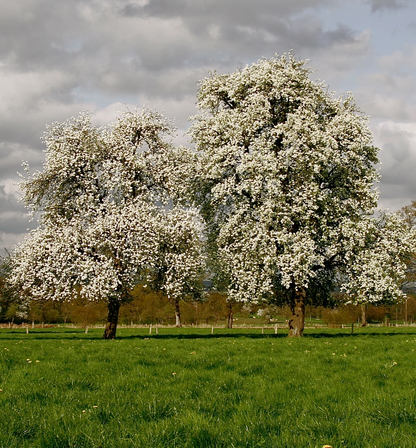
186,387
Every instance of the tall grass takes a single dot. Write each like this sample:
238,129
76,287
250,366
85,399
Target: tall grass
188,388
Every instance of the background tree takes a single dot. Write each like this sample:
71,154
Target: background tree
43,311
215,307
11,306
179,266
148,306
377,267
285,184
101,195
408,213
86,312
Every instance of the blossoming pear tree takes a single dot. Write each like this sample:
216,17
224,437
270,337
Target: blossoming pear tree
286,187
105,202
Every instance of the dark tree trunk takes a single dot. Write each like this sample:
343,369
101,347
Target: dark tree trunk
297,308
178,322
230,315
112,319
363,315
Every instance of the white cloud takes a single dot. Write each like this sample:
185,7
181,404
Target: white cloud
29,89
398,157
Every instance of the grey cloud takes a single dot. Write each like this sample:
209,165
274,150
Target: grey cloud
13,215
15,223
12,157
32,32
263,24
137,49
380,5
26,126
217,10
57,34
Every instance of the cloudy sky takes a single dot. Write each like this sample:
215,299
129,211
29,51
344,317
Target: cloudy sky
58,58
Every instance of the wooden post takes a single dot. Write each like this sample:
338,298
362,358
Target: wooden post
212,329
275,329
86,329
262,330
157,329
405,313
150,328
27,329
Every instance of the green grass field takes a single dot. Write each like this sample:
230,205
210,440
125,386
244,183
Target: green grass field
188,388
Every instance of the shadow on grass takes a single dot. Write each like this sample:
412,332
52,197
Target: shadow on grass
205,336
142,333
358,335
94,335
261,336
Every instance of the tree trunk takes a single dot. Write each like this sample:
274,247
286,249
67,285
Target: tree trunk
230,315
297,308
112,319
178,322
363,315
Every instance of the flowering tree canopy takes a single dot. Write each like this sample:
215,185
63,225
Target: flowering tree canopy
286,175
102,196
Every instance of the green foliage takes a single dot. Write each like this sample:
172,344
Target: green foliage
188,388
10,304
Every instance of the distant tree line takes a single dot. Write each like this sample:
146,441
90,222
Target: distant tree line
152,307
